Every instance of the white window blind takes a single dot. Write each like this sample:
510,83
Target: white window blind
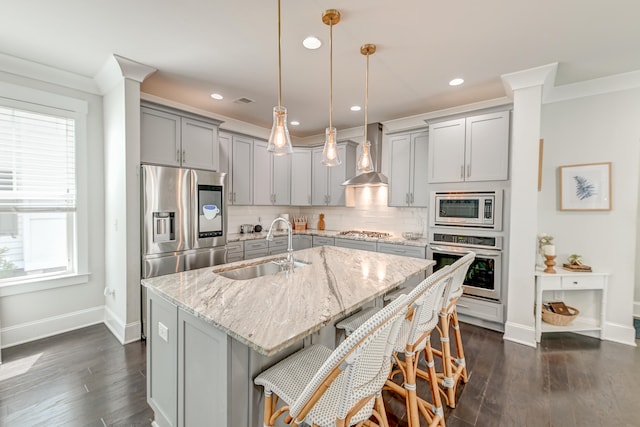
37,162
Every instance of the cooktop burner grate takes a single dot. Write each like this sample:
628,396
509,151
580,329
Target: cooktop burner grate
364,233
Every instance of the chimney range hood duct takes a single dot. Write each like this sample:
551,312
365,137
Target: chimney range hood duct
375,178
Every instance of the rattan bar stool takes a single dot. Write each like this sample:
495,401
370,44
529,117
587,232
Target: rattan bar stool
336,388
425,304
454,366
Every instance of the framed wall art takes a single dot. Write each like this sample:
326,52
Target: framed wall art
585,187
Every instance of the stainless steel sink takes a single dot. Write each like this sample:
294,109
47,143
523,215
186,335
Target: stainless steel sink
258,270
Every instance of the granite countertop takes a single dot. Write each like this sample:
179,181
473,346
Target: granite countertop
272,312
235,237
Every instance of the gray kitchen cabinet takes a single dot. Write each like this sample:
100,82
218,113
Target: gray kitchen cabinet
408,251
474,148
323,241
203,388
302,242
408,172
278,245
173,138
326,181
363,245
271,176
162,359
241,165
301,177
255,248
235,251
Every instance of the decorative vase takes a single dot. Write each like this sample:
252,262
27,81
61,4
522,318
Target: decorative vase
550,262
321,222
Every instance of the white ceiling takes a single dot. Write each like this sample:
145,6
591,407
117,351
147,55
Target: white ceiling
230,47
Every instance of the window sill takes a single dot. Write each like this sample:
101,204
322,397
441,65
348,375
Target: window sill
42,283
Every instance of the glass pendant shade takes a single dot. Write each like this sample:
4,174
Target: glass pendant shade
279,139
330,151
365,162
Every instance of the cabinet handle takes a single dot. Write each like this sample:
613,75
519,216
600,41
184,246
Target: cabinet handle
309,198
468,170
462,171
184,156
177,155
411,198
406,198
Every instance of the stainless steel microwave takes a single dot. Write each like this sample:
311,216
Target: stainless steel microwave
478,209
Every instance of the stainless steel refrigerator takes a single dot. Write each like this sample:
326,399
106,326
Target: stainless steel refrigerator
184,221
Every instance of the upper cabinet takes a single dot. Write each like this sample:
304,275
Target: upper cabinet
236,159
327,181
470,149
408,171
173,138
301,177
271,176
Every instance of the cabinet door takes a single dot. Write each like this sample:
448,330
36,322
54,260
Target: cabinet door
200,148
487,147
446,151
319,179
338,175
301,177
159,137
242,170
202,373
162,359
419,168
224,141
281,179
262,194
302,242
399,180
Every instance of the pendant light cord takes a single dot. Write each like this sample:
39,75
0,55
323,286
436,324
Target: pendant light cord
331,74
366,99
279,61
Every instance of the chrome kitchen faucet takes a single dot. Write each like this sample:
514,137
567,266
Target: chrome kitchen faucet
288,264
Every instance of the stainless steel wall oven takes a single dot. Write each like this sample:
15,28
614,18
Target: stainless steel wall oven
484,277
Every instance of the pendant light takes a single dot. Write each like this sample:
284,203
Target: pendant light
367,175
365,162
279,139
330,152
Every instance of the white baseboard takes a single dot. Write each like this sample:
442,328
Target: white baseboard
124,333
623,334
43,328
521,334
636,309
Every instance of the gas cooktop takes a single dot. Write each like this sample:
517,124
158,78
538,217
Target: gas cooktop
364,234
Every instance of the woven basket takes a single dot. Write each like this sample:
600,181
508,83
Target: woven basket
559,319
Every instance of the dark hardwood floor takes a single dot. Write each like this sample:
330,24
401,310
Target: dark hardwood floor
86,378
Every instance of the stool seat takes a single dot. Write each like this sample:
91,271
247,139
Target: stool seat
353,322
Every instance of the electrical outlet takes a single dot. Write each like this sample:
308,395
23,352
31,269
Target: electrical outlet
163,331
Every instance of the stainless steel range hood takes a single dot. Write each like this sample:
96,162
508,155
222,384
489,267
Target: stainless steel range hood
375,178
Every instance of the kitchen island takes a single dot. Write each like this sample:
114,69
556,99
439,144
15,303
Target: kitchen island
211,335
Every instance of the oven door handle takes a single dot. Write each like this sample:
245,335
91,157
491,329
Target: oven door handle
450,250
479,252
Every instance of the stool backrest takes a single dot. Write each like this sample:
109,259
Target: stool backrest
356,370
459,270
425,303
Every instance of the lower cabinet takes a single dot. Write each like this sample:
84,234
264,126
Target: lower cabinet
187,367
323,241
235,251
363,245
255,248
302,242
405,250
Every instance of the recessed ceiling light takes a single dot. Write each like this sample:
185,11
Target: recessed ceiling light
294,123
356,108
311,42
456,82
217,96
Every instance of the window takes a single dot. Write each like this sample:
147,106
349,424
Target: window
38,203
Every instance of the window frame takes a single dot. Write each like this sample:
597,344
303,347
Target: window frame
30,99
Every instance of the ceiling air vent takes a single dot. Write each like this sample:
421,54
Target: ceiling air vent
243,101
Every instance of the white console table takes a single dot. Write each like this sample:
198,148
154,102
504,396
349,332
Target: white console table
589,289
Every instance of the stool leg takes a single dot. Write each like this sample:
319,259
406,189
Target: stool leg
438,412
445,348
459,348
268,408
410,386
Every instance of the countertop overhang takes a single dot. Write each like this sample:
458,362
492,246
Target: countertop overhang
272,312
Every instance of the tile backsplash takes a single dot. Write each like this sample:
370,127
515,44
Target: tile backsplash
370,213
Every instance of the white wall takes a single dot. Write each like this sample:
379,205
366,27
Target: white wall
599,128
28,316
